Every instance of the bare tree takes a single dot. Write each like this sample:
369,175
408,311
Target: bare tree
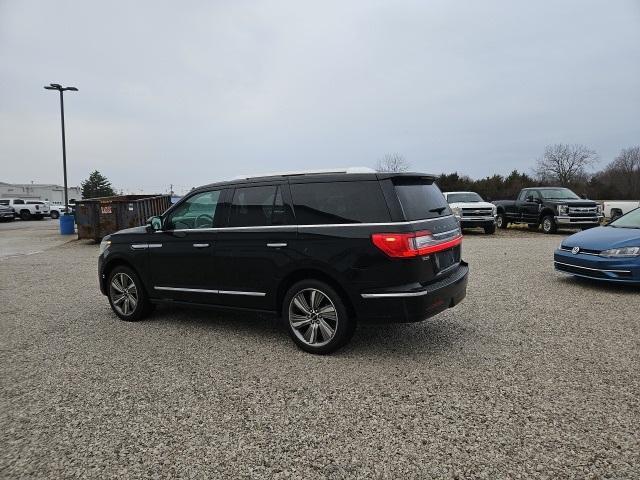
624,172
392,162
565,164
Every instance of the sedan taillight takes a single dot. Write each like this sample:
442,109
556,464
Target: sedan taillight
407,245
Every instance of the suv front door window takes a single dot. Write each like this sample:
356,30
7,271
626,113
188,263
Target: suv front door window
181,255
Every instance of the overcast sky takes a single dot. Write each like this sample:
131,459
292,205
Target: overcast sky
193,92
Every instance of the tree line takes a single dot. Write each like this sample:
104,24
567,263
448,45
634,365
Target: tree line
560,165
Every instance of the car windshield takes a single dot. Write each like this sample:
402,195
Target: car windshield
466,197
558,194
630,220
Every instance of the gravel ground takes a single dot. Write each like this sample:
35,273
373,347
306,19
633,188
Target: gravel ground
532,375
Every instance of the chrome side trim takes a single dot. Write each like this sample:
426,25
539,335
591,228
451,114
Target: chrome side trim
276,245
218,292
294,227
248,294
139,246
592,269
195,290
155,245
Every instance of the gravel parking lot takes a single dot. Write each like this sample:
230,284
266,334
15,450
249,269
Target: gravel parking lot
533,375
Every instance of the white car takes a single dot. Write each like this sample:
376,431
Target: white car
27,209
615,209
472,211
57,210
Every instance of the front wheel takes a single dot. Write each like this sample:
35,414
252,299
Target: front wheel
54,214
25,215
549,224
501,221
317,319
127,296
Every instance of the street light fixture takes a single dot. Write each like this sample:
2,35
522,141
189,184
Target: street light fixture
61,89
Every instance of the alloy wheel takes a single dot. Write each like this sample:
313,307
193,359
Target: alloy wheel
313,317
546,225
123,293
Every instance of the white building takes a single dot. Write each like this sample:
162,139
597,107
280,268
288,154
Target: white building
39,191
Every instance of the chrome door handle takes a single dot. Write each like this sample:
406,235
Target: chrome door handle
276,245
200,245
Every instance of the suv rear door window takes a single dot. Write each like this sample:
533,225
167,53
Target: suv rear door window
257,206
420,199
339,202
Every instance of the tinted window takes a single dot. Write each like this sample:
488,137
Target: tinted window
421,199
339,202
466,197
559,193
18,202
4,202
257,206
195,212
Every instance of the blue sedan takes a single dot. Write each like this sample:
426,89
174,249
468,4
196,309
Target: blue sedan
610,253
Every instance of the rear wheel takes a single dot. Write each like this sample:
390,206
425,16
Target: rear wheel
501,221
127,296
25,215
54,214
317,319
549,224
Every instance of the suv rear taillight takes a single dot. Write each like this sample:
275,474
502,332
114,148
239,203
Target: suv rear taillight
416,244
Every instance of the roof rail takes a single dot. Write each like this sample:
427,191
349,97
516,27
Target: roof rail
309,172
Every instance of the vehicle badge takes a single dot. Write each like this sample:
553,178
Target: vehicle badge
575,250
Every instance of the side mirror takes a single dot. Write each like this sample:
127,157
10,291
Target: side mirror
154,224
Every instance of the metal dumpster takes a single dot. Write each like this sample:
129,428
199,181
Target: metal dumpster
97,217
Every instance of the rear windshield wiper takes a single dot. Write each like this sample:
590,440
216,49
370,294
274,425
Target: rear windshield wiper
438,210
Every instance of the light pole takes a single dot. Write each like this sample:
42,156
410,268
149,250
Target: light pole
61,89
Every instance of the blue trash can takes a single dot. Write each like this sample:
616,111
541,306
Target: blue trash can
67,225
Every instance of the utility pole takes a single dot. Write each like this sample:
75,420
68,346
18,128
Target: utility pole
61,89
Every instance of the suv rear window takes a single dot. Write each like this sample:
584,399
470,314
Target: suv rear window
420,199
339,202
257,206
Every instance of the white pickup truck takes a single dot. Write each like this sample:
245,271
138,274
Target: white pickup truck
472,211
26,209
614,209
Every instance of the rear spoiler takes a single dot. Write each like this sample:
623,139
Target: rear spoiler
426,177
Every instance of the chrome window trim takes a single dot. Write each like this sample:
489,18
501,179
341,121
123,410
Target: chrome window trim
218,292
592,269
293,227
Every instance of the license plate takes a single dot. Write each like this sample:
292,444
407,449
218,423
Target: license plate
446,258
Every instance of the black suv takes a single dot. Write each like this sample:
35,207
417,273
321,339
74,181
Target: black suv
321,249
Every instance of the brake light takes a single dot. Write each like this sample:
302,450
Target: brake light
415,244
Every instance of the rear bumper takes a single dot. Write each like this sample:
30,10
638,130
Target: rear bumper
415,305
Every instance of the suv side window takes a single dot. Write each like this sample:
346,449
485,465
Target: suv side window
195,212
523,195
257,206
339,202
18,202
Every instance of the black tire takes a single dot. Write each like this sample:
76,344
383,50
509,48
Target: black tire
55,214
533,226
490,229
549,224
25,215
331,303
501,221
615,213
124,309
